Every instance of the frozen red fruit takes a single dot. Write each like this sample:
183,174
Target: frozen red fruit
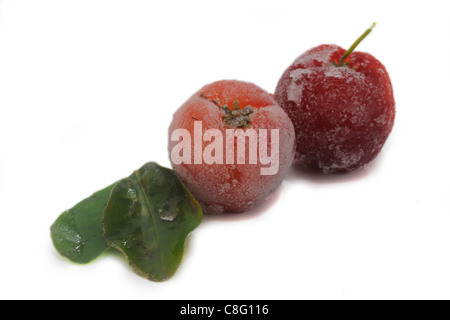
208,157
342,111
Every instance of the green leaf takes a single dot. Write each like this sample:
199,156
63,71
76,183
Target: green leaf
148,217
77,233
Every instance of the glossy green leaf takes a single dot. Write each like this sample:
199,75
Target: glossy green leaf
148,217
77,233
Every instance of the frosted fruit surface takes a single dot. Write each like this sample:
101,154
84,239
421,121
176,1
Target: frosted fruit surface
232,187
342,114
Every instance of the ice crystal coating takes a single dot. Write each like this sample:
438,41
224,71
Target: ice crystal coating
233,187
342,114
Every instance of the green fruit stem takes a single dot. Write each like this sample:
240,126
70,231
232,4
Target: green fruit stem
356,43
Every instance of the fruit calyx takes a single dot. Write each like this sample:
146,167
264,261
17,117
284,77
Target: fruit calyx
353,47
234,117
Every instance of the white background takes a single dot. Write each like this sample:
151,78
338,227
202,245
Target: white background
87,92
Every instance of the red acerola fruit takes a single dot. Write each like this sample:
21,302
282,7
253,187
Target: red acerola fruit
341,104
206,138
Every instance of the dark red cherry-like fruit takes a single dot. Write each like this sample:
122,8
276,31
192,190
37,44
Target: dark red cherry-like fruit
341,104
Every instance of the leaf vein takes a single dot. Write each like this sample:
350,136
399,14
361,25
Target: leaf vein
153,218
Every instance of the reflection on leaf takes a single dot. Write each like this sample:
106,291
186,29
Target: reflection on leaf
148,217
77,233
